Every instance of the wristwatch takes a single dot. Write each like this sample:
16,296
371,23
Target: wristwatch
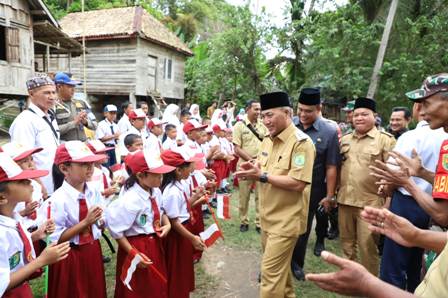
333,199
264,177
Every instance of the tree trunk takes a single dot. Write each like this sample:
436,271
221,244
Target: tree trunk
382,50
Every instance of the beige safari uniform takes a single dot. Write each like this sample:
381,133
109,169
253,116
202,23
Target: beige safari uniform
65,113
246,140
283,213
357,190
435,282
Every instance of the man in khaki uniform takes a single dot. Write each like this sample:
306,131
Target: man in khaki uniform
247,137
284,167
71,115
359,150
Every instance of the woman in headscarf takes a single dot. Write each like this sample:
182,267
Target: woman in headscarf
195,113
217,117
170,116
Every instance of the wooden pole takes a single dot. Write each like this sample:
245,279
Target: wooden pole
84,83
382,50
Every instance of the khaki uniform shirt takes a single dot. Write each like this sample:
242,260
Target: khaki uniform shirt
358,187
291,153
65,113
435,282
245,138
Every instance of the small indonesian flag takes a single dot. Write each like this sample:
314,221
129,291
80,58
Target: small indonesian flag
223,209
129,266
211,235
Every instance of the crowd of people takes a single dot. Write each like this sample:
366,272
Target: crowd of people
66,180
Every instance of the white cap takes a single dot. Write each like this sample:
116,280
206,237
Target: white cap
110,108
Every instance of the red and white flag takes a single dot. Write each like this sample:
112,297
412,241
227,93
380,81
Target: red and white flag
117,170
211,235
223,208
129,266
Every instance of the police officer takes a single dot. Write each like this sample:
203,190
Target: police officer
284,167
247,137
359,150
71,115
325,138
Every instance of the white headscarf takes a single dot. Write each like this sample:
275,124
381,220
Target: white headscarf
195,115
170,115
217,118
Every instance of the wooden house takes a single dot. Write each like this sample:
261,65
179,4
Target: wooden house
29,36
131,56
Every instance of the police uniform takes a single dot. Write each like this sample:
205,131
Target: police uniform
325,138
65,115
246,139
283,213
358,189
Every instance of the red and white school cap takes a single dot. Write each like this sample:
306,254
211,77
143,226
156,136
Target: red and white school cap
193,124
98,147
75,151
219,127
137,114
10,171
155,121
143,161
180,155
18,151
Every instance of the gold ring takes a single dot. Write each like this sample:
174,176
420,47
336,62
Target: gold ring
382,224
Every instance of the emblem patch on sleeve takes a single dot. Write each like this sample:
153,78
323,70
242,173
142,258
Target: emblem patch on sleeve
299,159
14,260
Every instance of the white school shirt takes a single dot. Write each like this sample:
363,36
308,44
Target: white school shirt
173,201
31,130
124,124
35,197
152,144
224,146
200,179
97,179
180,133
131,214
122,147
65,209
104,130
427,143
169,144
12,252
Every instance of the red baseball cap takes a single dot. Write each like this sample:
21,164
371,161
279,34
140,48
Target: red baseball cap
98,147
181,155
75,151
193,124
143,161
155,121
10,171
18,151
137,114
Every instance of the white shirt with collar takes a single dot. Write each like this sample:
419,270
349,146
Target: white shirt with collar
12,252
173,201
169,144
65,209
124,124
427,143
193,146
37,196
31,130
122,147
131,214
104,130
152,144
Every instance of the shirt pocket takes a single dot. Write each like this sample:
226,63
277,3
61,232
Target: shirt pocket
345,148
370,155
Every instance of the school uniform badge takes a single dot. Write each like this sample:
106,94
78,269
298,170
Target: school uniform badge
14,260
142,220
299,160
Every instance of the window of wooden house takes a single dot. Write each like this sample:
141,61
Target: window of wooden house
168,73
13,44
2,43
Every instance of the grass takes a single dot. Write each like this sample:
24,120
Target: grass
206,283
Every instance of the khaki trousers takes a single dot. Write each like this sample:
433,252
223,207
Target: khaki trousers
244,197
276,276
354,235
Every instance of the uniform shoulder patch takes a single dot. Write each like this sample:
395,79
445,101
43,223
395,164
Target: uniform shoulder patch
14,260
387,134
299,159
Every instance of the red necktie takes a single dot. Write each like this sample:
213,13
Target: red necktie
105,184
28,250
32,215
192,219
156,213
86,235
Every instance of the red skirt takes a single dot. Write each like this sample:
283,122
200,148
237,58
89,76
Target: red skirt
233,163
144,283
80,275
197,228
22,291
179,262
219,166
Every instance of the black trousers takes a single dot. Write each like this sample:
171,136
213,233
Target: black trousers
317,194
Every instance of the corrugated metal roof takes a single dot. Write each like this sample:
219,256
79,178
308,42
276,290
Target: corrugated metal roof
119,22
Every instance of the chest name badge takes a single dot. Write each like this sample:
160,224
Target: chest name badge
142,220
14,260
299,159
